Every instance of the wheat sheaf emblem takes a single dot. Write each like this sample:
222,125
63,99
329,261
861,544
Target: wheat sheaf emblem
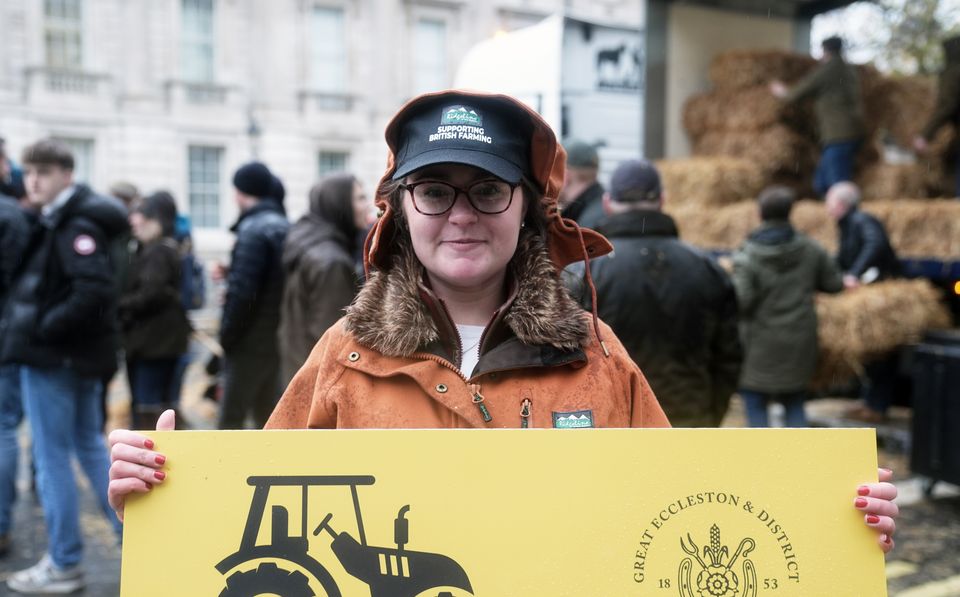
717,577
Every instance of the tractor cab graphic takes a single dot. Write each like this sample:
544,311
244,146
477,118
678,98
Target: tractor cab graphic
388,571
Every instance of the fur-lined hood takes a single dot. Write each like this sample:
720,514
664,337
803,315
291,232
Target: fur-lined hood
393,315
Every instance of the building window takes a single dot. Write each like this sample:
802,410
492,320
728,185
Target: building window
82,150
63,35
328,47
203,185
331,162
430,56
197,41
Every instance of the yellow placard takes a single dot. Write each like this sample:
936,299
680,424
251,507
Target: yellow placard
451,513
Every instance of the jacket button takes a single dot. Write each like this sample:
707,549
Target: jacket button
353,357
442,388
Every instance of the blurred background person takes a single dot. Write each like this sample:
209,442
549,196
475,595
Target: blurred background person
947,109
671,305
581,198
11,176
319,267
14,234
835,85
864,256
251,309
777,273
60,327
154,322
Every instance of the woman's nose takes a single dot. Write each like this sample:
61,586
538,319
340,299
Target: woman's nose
462,211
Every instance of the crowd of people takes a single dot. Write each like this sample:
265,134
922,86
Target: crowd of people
499,286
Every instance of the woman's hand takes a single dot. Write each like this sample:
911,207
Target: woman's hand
134,465
875,500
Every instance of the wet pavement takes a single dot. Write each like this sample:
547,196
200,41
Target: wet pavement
924,563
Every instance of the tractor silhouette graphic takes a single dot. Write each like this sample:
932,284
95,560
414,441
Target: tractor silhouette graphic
388,571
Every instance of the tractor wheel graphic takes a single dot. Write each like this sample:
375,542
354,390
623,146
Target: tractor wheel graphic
268,579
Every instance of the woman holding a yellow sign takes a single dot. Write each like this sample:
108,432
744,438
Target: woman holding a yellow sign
463,322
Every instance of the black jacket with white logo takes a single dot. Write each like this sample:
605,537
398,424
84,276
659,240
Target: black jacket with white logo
62,306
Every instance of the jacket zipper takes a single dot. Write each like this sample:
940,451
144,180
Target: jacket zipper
526,413
473,387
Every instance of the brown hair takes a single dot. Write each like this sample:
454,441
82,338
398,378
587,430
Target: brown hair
776,203
48,152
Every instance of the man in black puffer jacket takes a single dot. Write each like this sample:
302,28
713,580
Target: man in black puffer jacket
865,256
672,306
60,326
251,311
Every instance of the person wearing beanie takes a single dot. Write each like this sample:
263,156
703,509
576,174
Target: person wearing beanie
251,309
581,198
777,273
153,320
671,305
835,85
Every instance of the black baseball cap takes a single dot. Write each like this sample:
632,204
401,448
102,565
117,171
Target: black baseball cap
635,180
483,132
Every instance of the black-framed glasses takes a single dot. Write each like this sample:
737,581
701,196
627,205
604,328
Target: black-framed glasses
434,198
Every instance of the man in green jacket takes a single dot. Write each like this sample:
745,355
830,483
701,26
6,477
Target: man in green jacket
947,109
839,108
777,273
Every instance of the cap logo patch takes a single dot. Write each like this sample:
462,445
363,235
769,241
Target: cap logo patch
461,115
460,123
84,244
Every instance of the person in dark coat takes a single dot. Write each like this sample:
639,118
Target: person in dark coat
60,326
251,310
947,109
865,256
154,321
777,273
321,277
672,306
14,233
581,198
839,108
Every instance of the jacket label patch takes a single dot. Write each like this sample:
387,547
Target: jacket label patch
84,244
580,419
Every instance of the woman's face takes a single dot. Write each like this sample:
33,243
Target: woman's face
463,248
144,229
361,207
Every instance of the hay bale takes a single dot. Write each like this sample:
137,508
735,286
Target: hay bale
921,228
890,181
748,109
861,325
707,182
738,69
776,150
901,106
722,228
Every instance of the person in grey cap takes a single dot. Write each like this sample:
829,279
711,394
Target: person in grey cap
581,198
672,306
251,310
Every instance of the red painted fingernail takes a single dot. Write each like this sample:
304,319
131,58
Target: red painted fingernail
149,487
860,503
160,475
160,459
872,519
863,490
888,539
148,444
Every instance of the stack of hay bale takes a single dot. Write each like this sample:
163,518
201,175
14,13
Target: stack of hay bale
741,118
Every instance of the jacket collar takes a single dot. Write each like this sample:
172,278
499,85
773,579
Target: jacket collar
263,205
397,314
60,210
640,222
773,233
